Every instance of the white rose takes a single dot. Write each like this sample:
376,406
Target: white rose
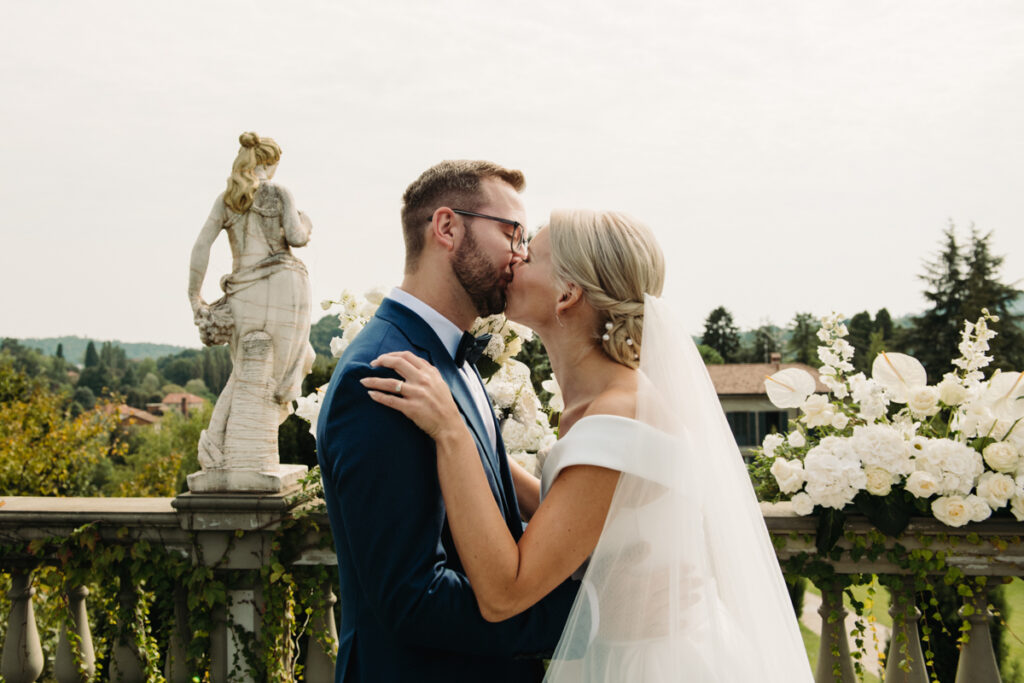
789,474
840,420
375,295
352,329
996,489
1017,506
802,504
951,510
879,481
527,461
771,442
1001,456
922,485
796,439
979,509
951,392
923,401
338,346
817,411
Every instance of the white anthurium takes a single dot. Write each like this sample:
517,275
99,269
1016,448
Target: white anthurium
899,374
1004,395
789,388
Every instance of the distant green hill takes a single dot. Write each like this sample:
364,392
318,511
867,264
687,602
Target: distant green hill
74,348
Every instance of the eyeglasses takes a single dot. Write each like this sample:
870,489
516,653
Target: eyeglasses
518,241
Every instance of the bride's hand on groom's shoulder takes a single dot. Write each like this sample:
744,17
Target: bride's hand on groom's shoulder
421,394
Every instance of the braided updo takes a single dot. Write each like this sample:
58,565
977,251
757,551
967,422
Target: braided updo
615,260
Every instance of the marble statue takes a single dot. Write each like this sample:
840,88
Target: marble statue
264,316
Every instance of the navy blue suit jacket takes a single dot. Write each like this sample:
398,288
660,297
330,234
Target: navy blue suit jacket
408,612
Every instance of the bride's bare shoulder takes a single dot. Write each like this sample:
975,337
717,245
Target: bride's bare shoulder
618,399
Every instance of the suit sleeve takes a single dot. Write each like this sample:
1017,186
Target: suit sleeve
384,477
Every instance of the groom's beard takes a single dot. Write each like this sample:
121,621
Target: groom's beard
482,282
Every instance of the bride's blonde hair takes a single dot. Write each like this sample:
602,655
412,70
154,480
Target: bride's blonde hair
615,260
242,184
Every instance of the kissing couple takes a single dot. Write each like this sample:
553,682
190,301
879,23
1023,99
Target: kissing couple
640,555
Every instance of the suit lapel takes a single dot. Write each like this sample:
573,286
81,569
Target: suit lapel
424,337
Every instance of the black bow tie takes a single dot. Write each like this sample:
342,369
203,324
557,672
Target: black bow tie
470,348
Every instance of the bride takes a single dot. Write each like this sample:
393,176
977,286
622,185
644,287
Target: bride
644,496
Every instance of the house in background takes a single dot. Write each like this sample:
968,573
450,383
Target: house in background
181,402
740,388
133,417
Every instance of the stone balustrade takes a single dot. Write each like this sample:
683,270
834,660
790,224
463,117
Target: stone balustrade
234,535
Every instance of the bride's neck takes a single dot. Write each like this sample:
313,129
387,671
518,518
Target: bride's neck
582,369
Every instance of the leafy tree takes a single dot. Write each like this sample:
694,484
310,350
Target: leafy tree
959,284
157,462
92,359
766,342
60,351
44,451
935,334
803,339
861,326
983,289
883,323
709,355
321,333
721,334
198,387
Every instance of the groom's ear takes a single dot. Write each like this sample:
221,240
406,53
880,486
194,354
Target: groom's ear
569,297
442,228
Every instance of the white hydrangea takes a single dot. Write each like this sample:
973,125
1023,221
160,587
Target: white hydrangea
955,466
833,473
869,396
878,482
881,446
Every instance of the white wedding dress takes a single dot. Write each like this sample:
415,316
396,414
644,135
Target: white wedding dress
684,584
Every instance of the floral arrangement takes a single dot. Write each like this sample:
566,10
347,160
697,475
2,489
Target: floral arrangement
525,423
891,445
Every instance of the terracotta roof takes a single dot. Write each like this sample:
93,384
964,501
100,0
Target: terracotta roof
126,412
747,379
175,398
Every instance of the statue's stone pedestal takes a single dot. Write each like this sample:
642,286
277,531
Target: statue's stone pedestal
278,480
216,521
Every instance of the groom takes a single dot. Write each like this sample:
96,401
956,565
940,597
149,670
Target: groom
408,611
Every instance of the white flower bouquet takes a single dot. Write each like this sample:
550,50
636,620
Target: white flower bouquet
892,446
525,424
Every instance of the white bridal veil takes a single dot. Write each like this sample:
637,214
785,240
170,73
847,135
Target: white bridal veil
684,584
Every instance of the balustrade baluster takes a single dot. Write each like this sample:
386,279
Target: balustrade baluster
176,665
320,662
833,636
75,661
22,660
977,656
125,663
905,646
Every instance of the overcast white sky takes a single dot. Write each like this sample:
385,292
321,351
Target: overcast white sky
791,156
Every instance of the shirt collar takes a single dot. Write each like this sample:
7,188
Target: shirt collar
447,331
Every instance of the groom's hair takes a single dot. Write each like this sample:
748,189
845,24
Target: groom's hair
455,184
